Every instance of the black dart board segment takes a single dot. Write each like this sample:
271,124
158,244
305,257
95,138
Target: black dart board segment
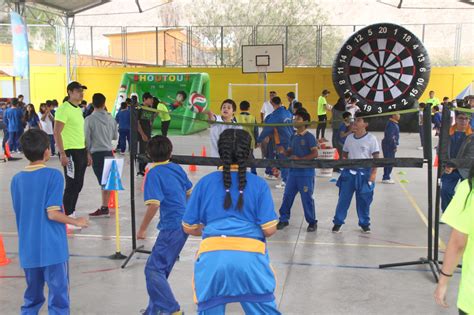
385,66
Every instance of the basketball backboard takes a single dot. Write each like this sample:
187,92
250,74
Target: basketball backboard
262,58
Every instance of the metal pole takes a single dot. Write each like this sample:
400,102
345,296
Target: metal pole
229,91
423,33
428,154
222,45
68,52
265,85
74,51
164,48
92,46
157,46
286,45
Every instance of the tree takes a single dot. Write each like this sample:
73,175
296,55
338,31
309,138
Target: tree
291,22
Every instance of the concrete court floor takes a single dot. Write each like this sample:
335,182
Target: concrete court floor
317,273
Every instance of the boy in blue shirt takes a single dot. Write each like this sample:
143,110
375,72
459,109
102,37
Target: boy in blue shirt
166,187
390,143
451,176
37,194
303,146
281,134
123,120
13,119
344,129
437,116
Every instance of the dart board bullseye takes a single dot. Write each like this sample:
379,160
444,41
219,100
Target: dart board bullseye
384,66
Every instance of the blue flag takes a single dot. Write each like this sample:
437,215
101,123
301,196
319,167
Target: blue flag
113,181
20,46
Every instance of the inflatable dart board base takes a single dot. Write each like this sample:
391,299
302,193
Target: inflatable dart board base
385,66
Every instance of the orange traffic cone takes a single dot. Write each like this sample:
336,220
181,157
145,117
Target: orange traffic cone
3,255
336,155
8,154
192,167
111,204
435,162
203,151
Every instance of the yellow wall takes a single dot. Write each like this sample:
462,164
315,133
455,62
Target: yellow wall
50,83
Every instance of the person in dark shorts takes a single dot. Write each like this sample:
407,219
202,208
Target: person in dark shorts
144,128
100,129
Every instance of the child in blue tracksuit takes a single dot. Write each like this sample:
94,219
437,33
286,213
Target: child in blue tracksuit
437,116
359,145
37,195
344,128
451,176
13,119
281,134
390,142
303,146
123,120
233,211
166,187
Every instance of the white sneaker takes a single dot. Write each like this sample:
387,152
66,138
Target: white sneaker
281,185
419,148
71,227
388,181
270,177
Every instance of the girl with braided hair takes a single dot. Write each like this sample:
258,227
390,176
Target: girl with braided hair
233,211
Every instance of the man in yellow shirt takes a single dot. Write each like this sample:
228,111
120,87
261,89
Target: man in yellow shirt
460,216
71,143
433,100
322,117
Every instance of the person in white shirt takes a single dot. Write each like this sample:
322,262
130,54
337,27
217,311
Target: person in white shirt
228,109
46,120
358,145
267,107
352,106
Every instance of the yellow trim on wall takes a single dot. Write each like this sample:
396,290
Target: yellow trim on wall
49,82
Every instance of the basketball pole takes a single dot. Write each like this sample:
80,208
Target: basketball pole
265,86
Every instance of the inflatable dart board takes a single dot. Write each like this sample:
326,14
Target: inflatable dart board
385,66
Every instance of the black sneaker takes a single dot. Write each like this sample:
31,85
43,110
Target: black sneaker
336,228
312,227
100,213
282,225
142,174
365,229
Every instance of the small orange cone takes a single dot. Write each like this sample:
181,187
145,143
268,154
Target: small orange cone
111,204
8,154
336,155
203,151
192,167
435,162
3,255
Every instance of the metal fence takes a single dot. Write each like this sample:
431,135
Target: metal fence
220,46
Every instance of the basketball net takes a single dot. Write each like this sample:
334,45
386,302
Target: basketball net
262,71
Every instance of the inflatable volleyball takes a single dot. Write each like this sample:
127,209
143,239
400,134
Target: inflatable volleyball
197,103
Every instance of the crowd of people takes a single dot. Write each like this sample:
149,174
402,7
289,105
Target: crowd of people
245,216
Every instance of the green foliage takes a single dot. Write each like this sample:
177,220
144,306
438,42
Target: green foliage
262,22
